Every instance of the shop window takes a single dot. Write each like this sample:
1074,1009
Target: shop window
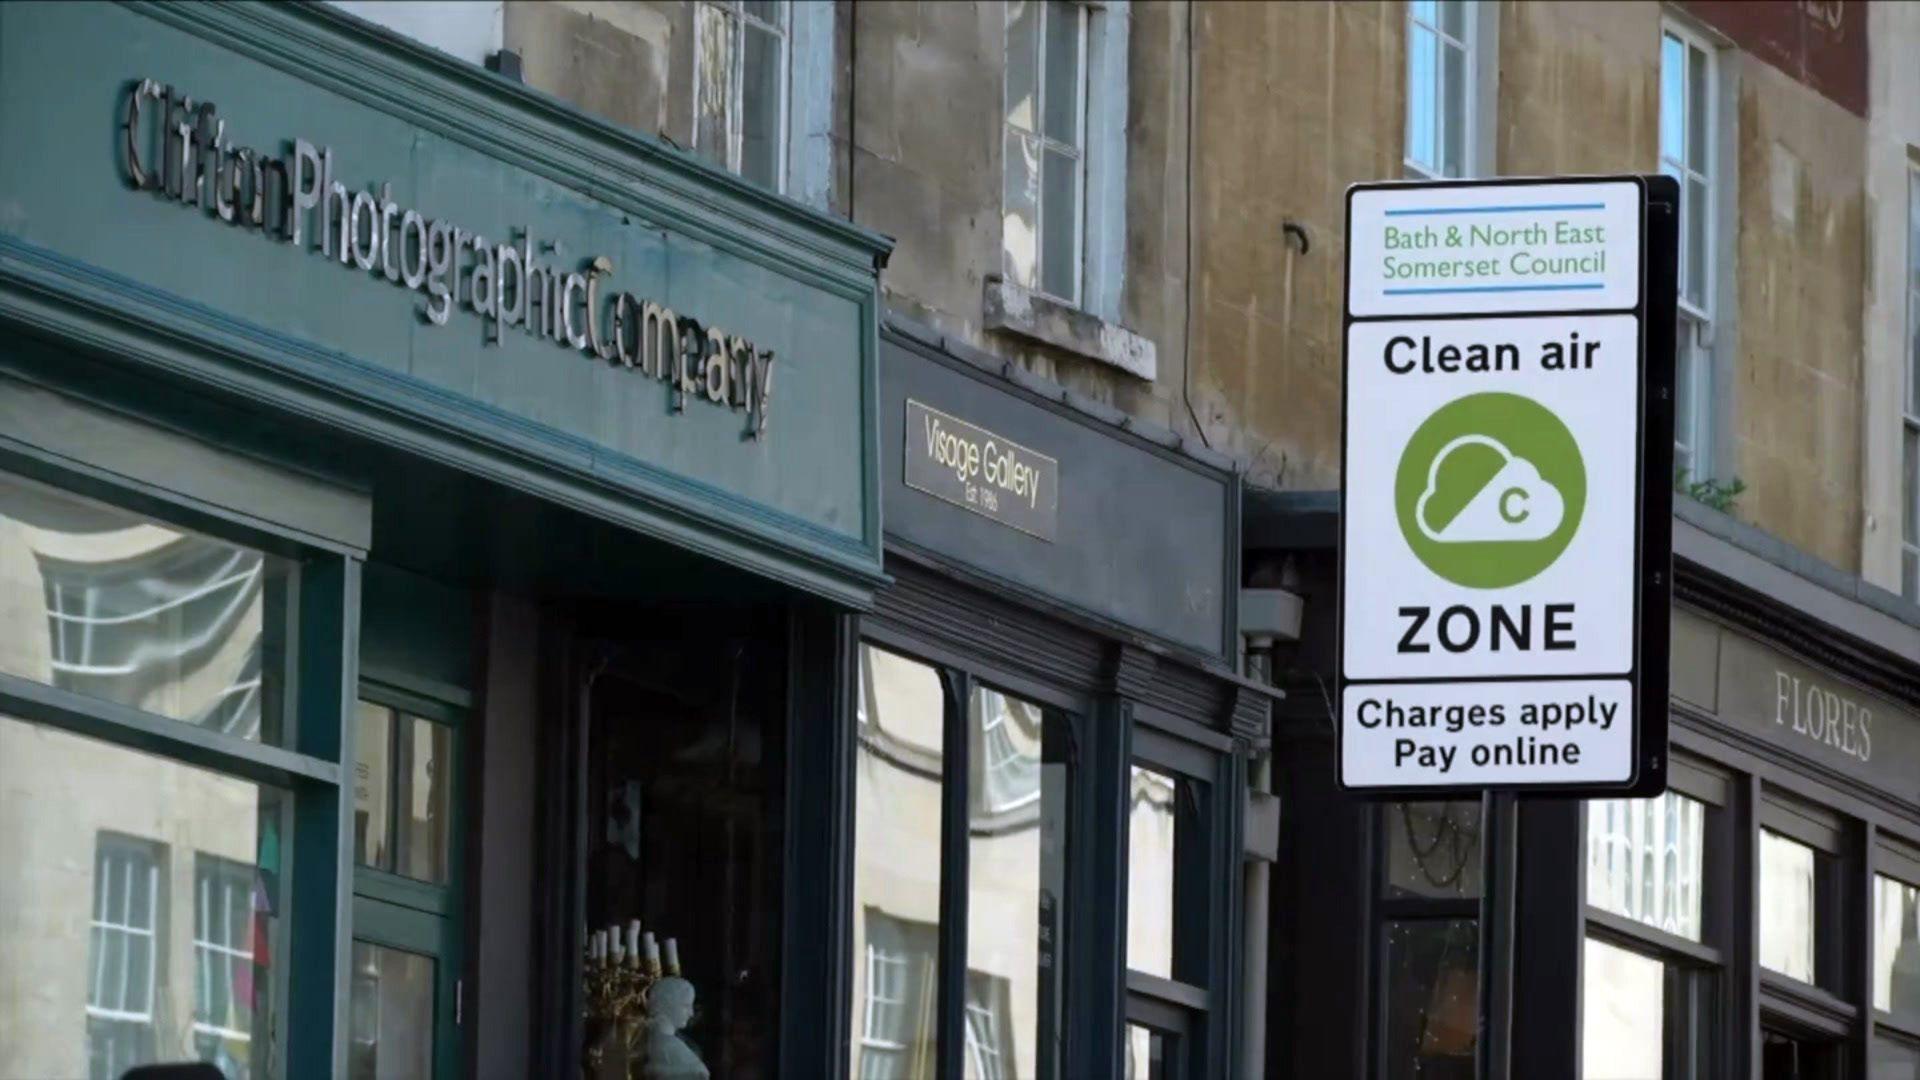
1688,131
1788,888
139,987
1894,1058
1440,82
933,743
740,79
1652,962
223,951
1153,857
1149,1056
122,608
402,793
1896,949
1429,908
1432,998
1171,825
155,659
1645,859
1045,150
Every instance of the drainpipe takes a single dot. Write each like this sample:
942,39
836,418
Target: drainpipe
1267,618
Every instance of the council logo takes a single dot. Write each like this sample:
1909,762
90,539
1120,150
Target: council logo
1490,490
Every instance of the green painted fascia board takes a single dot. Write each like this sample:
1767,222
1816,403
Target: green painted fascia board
467,102
114,315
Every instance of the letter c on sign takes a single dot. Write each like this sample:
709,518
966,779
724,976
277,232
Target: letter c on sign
1506,510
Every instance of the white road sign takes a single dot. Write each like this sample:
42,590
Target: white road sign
1492,522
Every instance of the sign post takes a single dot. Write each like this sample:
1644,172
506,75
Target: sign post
1505,559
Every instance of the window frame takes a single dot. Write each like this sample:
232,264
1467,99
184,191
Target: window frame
1467,47
1694,360
1687,964
305,767
1910,401
1078,151
739,23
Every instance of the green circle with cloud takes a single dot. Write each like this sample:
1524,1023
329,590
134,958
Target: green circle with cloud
1490,490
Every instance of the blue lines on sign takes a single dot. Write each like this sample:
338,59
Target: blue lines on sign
1575,287
1521,209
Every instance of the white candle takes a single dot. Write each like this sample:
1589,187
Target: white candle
599,951
633,942
673,956
653,951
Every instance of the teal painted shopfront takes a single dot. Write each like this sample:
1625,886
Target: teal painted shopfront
429,526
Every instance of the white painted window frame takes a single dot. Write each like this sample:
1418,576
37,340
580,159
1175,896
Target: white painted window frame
737,21
1075,151
214,957
1910,385
1694,434
1468,48
128,856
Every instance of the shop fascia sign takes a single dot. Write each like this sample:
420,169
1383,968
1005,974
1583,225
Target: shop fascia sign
179,149
1505,558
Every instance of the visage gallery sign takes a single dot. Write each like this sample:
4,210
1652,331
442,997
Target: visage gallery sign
180,150
1504,556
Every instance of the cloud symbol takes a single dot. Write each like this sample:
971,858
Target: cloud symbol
1516,503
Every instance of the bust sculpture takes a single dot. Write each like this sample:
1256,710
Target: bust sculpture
666,1056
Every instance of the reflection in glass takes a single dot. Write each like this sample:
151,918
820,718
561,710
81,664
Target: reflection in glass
1622,1013
1786,906
403,774
1020,210
1894,1060
1016,869
740,83
900,728
986,1028
391,1037
110,604
1644,859
166,877
762,84
713,84
1433,849
1437,74
1152,855
1043,146
1146,1053
1023,64
1896,947
1061,100
1433,998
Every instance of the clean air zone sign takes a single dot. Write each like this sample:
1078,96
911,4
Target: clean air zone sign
1508,453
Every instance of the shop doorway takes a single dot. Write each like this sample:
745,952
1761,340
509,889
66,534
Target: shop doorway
683,782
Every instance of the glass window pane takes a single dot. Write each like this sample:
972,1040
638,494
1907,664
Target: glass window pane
1699,111
713,64
1426,11
1060,99
1016,868
114,605
762,101
1432,998
168,875
1786,906
1152,856
1020,224
1673,98
901,734
1622,1013
1423,113
391,1037
425,822
1148,1056
1644,859
771,12
373,787
1060,225
1453,109
1896,947
1433,849
1453,18
1023,64
1894,1060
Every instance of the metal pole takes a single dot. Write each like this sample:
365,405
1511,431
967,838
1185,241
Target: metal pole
1499,849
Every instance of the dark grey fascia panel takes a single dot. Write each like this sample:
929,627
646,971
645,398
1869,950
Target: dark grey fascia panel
1770,567
68,432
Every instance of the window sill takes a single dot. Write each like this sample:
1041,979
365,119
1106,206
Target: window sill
1021,311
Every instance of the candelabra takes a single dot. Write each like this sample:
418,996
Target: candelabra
616,978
